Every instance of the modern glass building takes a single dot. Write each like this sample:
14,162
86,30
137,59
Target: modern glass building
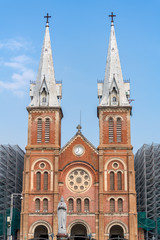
11,169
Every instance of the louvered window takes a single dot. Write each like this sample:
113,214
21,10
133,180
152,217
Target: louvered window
38,181
112,205
111,130
39,130
86,205
45,180
119,180
112,181
119,130
70,205
37,205
78,205
45,205
120,205
47,130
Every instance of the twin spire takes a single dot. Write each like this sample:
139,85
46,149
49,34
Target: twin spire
113,91
47,92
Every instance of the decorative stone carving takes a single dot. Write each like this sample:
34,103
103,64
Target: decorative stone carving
78,180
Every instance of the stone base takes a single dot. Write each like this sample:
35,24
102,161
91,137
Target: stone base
61,236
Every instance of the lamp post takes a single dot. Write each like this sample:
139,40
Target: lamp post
11,214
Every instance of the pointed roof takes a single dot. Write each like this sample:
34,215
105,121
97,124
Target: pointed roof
79,135
113,71
46,70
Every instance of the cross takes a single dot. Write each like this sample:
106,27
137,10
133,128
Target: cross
112,16
79,128
47,17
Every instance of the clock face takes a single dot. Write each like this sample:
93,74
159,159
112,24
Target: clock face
78,150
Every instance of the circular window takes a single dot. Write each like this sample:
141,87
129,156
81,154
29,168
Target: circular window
42,165
115,165
78,180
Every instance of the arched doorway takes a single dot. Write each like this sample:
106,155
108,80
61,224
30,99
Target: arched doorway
78,232
116,232
41,232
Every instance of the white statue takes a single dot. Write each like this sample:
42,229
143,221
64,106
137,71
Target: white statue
62,215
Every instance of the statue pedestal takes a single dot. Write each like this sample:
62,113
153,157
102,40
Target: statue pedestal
61,236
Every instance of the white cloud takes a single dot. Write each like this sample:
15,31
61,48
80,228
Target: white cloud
19,62
21,76
15,44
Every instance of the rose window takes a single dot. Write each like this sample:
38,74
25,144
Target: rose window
78,180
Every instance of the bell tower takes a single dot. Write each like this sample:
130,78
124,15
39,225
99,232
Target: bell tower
117,195
40,177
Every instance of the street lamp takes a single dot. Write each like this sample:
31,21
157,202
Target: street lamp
11,214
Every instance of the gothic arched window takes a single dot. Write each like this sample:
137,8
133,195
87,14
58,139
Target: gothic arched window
114,99
45,181
119,130
39,130
86,205
112,181
38,180
78,205
37,205
119,180
47,130
70,205
45,205
111,130
120,205
112,205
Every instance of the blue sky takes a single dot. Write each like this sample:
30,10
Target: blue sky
79,33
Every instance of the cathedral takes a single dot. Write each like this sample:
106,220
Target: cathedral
97,183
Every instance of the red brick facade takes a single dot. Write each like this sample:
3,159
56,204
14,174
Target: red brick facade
83,179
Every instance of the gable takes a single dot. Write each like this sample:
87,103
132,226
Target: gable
78,149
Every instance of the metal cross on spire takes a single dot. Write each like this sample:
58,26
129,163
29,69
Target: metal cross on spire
112,16
47,18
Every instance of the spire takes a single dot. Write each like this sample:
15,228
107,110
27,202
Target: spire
44,91
114,90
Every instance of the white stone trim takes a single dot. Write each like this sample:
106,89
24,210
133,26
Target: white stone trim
115,198
111,198
48,117
46,198
110,116
42,171
105,180
115,171
115,159
106,172
119,117
79,168
37,197
36,224
39,117
119,223
41,159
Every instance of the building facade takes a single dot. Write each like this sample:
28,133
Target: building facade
98,184
11,171
147,166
